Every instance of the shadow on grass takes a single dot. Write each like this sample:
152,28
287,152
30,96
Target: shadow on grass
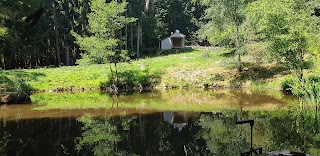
24,75
171,51
257,72
231,53
16,81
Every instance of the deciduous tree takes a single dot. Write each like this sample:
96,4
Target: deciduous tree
224,24
290,29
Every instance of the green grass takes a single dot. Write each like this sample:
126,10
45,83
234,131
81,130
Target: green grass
165,69
186,68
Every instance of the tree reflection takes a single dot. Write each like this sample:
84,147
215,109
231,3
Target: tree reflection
4,140
143,135
295,130
103,135
203,133
222,135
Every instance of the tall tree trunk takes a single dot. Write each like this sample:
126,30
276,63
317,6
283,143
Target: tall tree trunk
4,62
67,58
131,32
115,66
74,55
235,19
56,33
238,50
140,35
131,35
301,66
126,33
138,40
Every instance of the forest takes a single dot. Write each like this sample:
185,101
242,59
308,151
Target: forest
38,33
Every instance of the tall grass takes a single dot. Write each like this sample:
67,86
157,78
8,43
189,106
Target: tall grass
309,92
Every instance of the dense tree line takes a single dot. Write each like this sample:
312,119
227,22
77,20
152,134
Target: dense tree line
37,33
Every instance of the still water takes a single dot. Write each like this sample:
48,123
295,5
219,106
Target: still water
176,122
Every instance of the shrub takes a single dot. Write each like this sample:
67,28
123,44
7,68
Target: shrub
132,78
287,85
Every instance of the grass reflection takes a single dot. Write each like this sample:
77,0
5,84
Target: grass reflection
174,100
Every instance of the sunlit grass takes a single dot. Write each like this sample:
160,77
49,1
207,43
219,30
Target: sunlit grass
193,68
197,67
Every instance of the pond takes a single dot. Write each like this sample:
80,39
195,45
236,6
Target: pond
168,122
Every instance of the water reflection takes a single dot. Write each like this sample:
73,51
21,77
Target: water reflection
207,133
178,121
61,105
162,133
38,137
104,135
174,122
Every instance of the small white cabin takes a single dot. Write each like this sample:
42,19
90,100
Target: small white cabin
176,40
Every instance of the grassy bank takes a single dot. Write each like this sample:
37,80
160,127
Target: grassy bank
181,68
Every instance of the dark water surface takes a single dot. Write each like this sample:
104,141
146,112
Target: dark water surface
146,129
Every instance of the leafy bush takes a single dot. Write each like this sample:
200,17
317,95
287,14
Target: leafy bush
288,84
308,88
132,78
101,58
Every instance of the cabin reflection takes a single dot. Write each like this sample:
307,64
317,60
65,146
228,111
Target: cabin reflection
178,120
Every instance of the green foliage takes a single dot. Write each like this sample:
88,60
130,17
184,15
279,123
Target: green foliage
133,78
105,20
3,31
287,84
225,24
224,17
288,27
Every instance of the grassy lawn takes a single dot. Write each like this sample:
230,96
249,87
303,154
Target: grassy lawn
183,68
